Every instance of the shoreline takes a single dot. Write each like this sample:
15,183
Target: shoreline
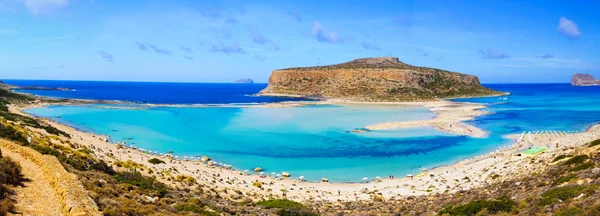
470,168
472,172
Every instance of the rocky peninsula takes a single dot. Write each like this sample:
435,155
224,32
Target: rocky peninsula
584,80
374,79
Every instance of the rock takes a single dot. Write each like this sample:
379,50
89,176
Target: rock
596,170
373,79
584,80
244,81
205,159
149,199
102,182
378,198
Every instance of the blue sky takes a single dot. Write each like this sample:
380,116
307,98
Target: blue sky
221,41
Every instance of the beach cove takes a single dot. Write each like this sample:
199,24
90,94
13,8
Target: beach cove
501,164
468,172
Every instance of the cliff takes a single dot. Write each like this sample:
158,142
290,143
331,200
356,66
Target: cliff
374,79
244,81
584,80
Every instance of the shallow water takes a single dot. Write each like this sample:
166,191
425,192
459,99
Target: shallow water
311,141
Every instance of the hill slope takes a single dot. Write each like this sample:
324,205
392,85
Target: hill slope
374,79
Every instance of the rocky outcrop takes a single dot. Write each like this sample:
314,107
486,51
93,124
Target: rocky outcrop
244,81
584,80
374,79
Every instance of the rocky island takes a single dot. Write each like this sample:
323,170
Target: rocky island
244,81
584,80
374,79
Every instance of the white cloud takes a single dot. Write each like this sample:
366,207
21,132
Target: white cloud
568,27
323,35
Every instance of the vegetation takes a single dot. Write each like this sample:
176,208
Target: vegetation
10,174
581,167
287,207
576,160
146,183
560,157
502,204
280,203
594,143
156,161
563,179
562,193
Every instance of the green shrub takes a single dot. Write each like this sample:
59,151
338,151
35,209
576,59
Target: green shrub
560,157
155,161
563,179
188,207
581,167
102,167
137,179
13,134
280,203
502,204
562,194
46,150
569,212
295,212
191,207
576,160
594,143
10,172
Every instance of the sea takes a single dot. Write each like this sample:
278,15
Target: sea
311,141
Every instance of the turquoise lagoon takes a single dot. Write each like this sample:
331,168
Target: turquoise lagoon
310,141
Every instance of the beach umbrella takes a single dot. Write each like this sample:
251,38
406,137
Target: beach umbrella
301,177
409,175
245,171
365,178
273,173
262,173
377,177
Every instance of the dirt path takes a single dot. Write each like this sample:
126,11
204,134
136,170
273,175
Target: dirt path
37,196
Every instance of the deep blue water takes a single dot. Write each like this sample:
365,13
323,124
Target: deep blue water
533,107
154,92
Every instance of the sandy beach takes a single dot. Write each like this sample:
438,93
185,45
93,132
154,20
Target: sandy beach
480,171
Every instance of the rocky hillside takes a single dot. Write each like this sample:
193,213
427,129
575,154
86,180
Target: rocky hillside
584,80
374,79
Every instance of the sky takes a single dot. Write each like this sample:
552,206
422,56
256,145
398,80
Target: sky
221,41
